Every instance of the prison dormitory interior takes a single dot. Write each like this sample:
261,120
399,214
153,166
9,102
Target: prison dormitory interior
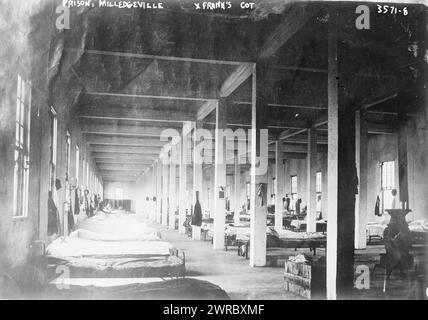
272,153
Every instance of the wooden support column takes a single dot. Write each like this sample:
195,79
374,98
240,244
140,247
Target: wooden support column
311,176
197,170
279,183
159,191
165,191
258,175
341,176
403,181
237,179
172,187
219,195
183,182
361,156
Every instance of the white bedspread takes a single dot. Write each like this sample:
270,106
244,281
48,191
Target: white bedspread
77,247
118,224
89,235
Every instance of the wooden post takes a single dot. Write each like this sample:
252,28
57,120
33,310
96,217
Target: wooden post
172,187
403,181
165,174
341,177
159,191
258,205
280,183
361,155
237,177
311,165
197,170
219,196
182,182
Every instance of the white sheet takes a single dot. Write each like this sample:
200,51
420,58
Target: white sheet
118,224
77,247
89,235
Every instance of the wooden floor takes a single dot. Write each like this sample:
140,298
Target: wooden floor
240,281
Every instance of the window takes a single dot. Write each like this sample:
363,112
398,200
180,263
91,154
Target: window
77,164
119,194
319,191
54,142
22,149
294,194
388,185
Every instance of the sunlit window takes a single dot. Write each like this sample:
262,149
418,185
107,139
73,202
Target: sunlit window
22,149
388,185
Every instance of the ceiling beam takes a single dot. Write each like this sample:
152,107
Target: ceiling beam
137,130
123,167
319,123
121,161
124,141
324,71
278,105
157,57
145,96
119,179
126,149
205,110
136,114
235,79
292,22
144,159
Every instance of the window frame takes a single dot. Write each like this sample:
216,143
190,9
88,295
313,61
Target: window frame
294,193
387,180
53,149
318,190
21,173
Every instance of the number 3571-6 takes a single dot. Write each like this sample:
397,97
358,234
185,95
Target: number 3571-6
384,9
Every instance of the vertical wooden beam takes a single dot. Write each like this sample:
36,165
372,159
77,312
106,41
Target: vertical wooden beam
311,165
279,183
361,158
237,179
172,187
258,184
219,194
341,176
159,191
165,181
182,183
197,169
403,181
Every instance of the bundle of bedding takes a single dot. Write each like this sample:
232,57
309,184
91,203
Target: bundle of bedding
292,235
419,225
176,289
419,231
